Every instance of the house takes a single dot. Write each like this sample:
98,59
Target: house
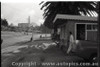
83,28
23,26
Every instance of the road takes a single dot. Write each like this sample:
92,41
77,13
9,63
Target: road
10,38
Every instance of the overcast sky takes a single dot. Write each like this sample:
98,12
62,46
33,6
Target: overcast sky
18,12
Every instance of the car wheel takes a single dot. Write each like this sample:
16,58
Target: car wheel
93,58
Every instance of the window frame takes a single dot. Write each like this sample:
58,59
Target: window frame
85,29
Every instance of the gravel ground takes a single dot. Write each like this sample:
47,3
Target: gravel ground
34,55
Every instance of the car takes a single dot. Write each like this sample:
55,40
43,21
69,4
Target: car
88,54
88,51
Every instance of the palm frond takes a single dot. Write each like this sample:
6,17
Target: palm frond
71,8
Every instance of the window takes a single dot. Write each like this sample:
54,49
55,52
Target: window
92,27
62,31
58,32
89,27
95,27
86,31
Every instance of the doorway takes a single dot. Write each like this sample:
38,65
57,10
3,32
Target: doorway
80,31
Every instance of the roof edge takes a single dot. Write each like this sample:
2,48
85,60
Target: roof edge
74,17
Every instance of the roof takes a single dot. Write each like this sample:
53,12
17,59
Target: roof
74,17
23,23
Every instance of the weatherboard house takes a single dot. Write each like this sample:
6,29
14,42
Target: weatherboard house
83,28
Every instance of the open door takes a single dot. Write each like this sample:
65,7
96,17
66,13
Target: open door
80,31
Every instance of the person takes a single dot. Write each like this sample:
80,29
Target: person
71,43
31,39
1,40
40,36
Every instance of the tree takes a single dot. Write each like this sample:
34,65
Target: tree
4,22
44,29
71,8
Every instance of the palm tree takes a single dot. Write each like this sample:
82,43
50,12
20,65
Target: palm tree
71,8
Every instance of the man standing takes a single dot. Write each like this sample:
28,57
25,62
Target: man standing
71,42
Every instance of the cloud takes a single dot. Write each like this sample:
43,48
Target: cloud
32,12
40,21
19,12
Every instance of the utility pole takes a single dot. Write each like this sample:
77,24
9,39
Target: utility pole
28,24
32,33
29,19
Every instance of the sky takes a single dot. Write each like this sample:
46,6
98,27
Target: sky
18,12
